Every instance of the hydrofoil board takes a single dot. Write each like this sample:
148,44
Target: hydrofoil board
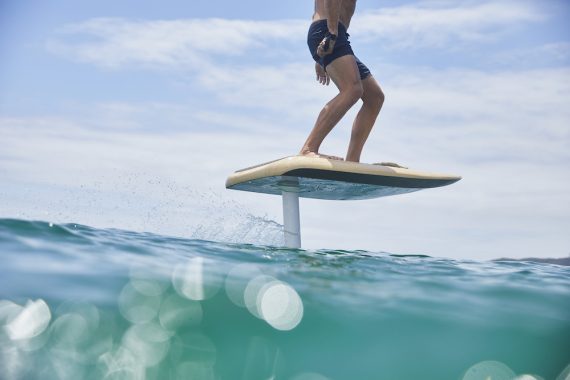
321,178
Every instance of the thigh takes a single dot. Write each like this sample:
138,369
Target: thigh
344,72
364,71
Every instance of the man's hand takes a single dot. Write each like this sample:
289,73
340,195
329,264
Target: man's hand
327,45
322,76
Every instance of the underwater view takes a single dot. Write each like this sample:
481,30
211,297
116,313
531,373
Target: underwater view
83,303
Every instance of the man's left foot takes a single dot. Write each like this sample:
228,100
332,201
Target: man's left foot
320,155
390,164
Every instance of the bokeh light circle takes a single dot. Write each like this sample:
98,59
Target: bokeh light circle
489,369
191,279
280,305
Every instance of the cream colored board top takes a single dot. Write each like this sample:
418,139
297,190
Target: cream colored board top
281,166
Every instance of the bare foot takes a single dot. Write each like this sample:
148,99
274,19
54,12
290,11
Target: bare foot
390,164
320,155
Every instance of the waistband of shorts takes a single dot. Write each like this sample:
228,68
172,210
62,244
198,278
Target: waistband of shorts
324,21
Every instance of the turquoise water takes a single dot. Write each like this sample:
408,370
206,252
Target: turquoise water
84,303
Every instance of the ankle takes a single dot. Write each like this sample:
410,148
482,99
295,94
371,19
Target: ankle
307,150
352,157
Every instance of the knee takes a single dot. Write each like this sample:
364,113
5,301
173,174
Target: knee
354,92
374,98
381,97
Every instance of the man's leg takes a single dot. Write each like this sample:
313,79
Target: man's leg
344,73
372,98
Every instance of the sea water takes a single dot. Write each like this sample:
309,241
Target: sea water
85,303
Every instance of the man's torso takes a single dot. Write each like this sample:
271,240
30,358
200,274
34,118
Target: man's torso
345,12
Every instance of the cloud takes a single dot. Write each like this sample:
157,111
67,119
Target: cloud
500,115
62,171
192,43
289,90
442,24
33,147
114,42
545,55
504,130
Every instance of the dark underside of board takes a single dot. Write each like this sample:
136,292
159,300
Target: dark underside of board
336,185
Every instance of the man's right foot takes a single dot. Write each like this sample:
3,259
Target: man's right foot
320,155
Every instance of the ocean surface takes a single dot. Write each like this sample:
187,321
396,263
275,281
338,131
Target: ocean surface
83,303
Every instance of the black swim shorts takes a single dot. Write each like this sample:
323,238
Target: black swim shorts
318,31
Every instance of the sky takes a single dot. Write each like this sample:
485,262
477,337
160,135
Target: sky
132,114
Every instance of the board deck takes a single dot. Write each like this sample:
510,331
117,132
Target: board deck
322,178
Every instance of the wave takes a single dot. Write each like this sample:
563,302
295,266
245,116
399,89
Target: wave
84,302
